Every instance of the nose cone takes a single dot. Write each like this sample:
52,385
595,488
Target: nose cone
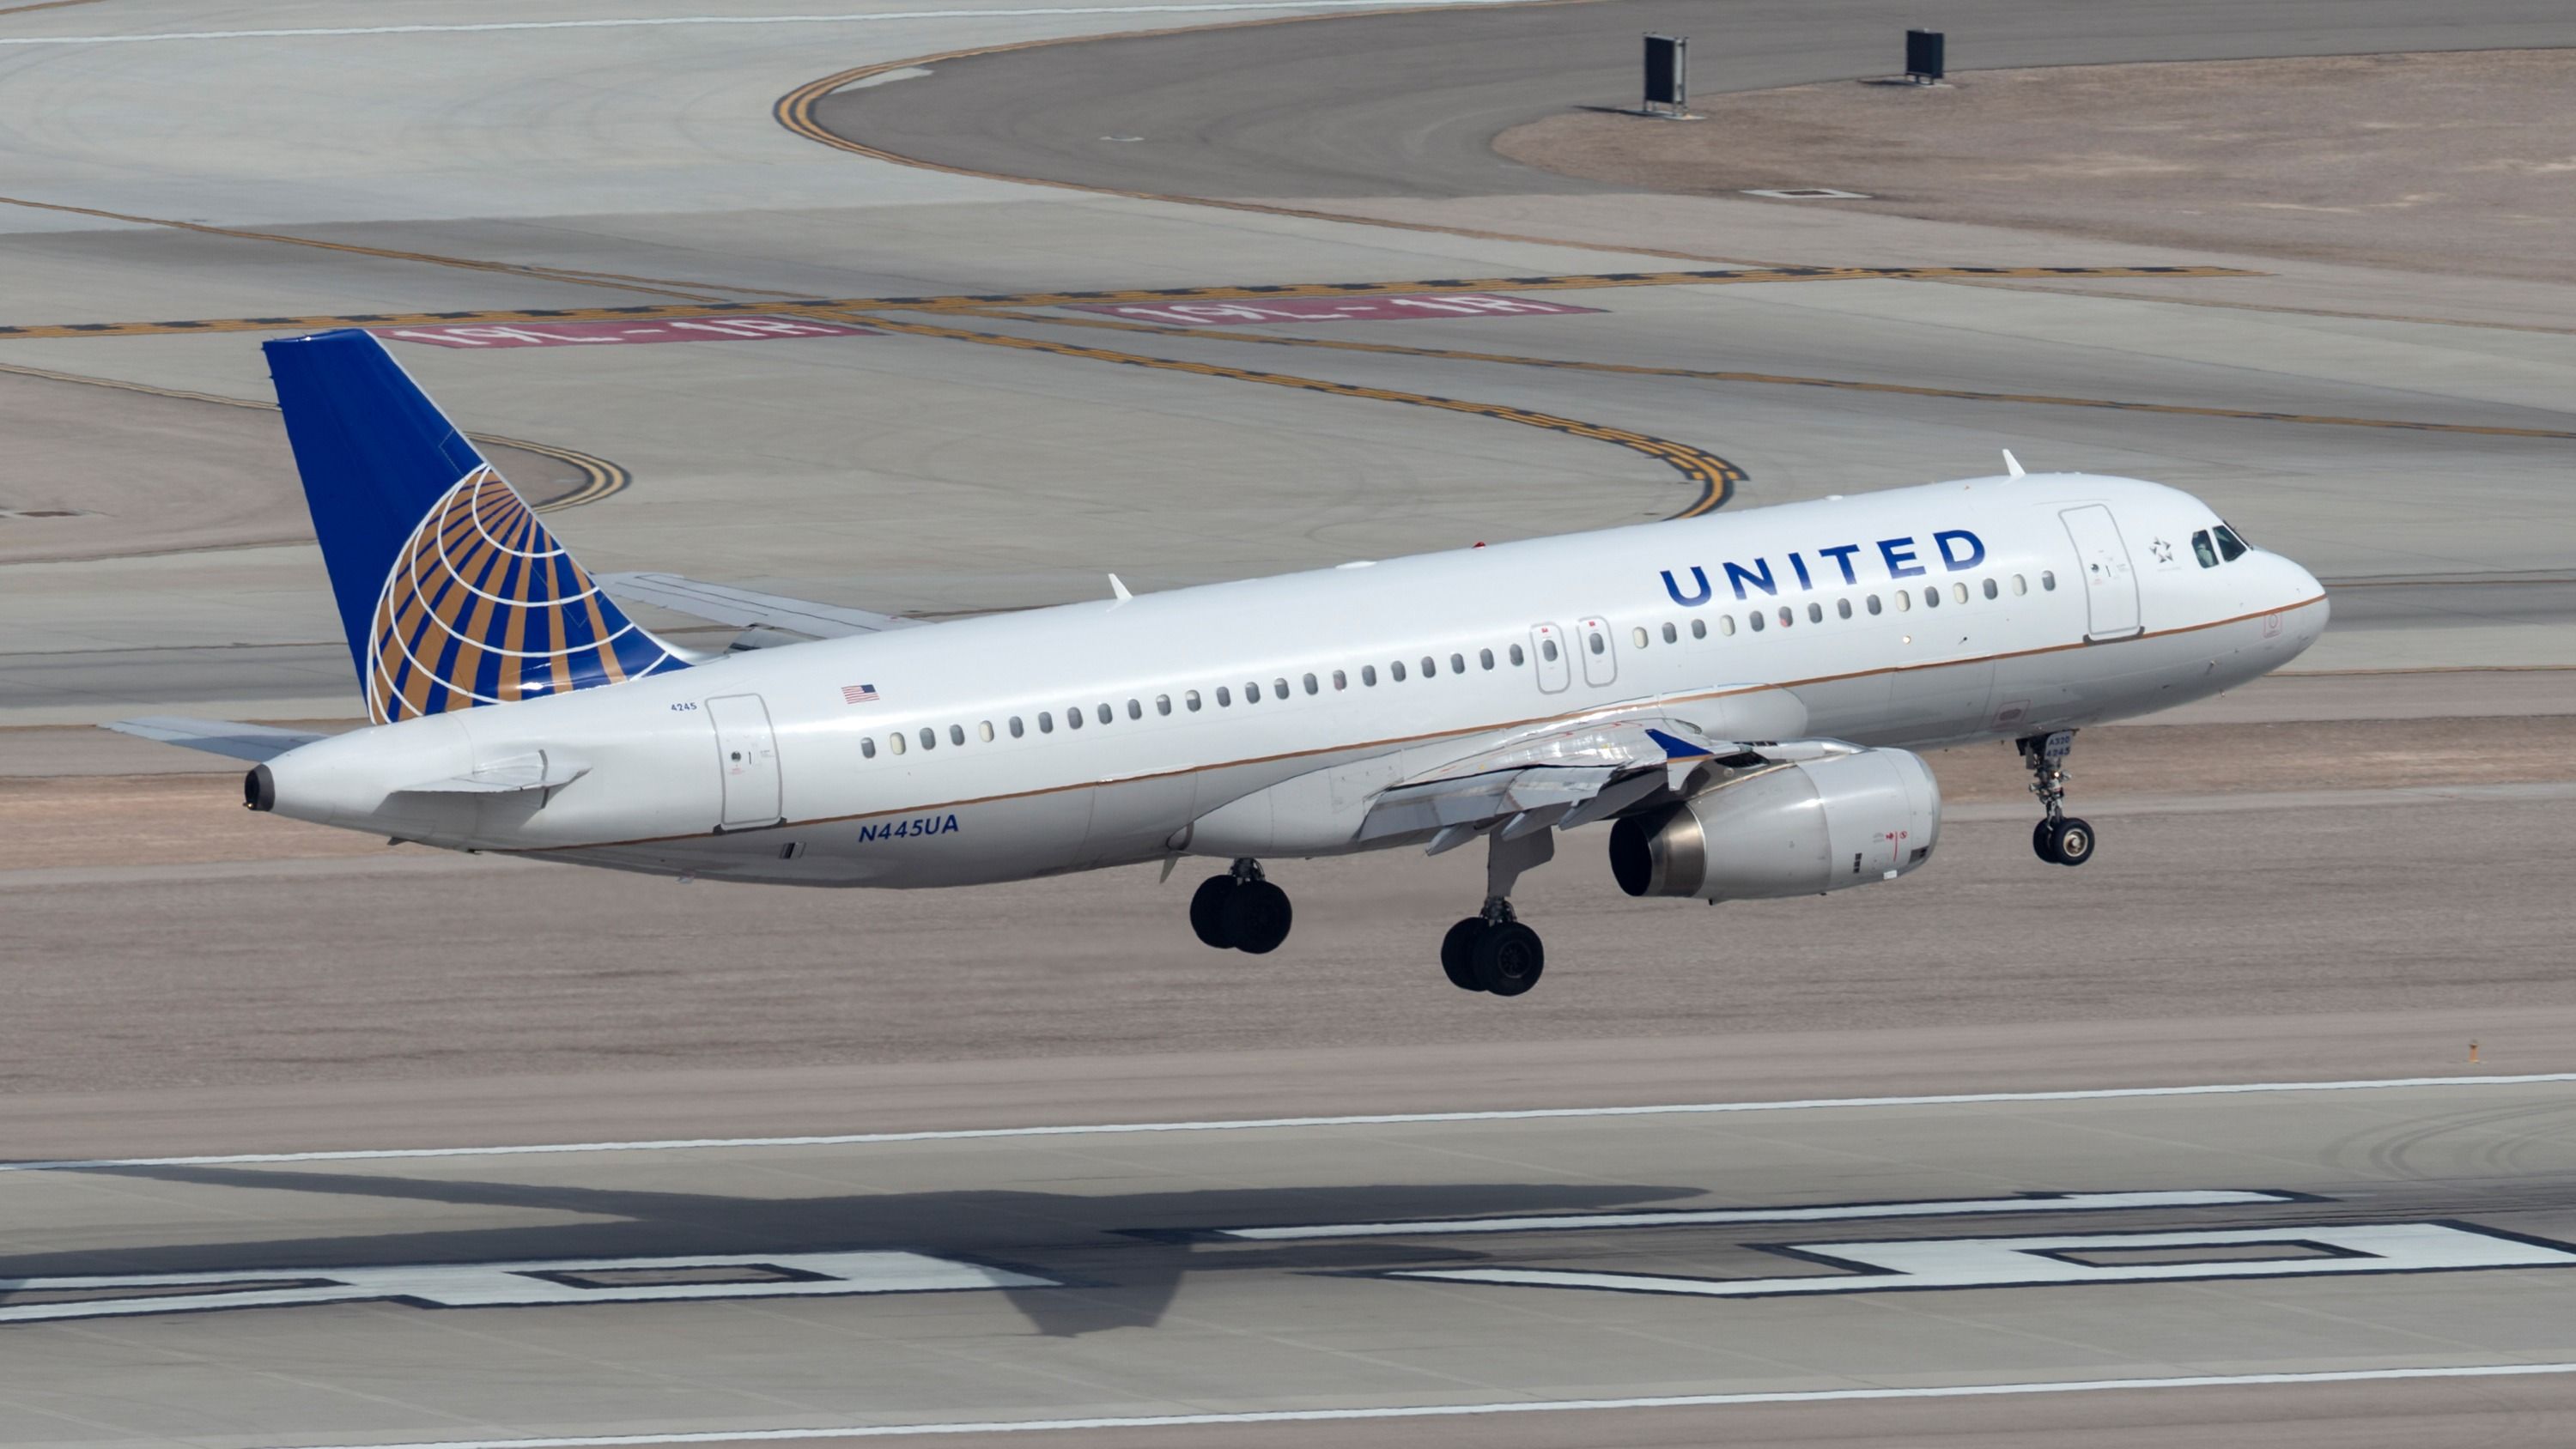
2304,599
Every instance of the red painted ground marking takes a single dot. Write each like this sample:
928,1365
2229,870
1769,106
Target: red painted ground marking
1335,309
573,334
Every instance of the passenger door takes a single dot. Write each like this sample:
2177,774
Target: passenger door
2110,586
1547,655
1600,652
747,753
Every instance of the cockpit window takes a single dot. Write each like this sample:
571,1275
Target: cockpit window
2204,550
2230,547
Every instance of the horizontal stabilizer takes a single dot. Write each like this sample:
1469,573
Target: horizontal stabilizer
504,777
747,609
216,736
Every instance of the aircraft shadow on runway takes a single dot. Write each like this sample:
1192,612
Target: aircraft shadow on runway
1118,1259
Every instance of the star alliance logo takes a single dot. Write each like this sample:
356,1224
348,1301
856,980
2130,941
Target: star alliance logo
2163,551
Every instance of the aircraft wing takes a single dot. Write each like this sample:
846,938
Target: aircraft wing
216,736
747,609
1566,776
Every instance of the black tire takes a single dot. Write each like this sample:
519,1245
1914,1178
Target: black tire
2073,843
1207,911
1458,953
1509,959
1257,917
2043,841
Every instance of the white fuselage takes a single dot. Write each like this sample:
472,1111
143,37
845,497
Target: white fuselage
1913,618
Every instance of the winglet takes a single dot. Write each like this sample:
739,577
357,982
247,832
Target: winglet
2012,465
1119,589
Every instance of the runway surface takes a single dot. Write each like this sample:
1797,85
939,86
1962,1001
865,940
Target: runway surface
1345,330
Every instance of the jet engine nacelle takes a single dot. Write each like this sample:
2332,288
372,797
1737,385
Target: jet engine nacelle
1801,829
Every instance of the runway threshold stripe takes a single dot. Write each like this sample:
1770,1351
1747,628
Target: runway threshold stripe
1508,1406
1380,1119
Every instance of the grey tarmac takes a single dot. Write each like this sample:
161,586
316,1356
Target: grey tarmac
2347,875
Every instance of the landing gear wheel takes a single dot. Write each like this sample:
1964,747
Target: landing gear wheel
1508,958
2042,840
1207,911
2070,842
1458,953
1257,917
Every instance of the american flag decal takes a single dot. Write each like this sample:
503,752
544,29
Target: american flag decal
858,693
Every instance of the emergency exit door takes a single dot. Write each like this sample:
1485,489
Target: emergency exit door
747,753
1548,647
2110,585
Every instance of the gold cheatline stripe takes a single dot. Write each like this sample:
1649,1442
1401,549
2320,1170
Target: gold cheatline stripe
1535,720
1771,379
1716,476
600,477
312,322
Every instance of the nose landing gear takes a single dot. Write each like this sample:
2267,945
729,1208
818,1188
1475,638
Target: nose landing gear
1241,911
2058,839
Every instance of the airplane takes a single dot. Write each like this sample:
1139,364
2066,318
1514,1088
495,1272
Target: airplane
1740,699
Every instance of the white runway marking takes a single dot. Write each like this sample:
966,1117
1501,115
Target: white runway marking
1522,1406
2071,1202
1387,1119
651,22
2194,1255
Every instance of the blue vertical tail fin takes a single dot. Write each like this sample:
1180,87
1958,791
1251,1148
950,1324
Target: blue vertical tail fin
451,591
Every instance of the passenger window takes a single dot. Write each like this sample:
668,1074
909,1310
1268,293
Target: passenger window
1485,657
1932,597
1190,701
1223,697
1107,714
1815,613
1990,588
1046,723
2048,580
1842,607
1788,616
895,742
1637,636
1341,681
1457,663
1073,718
1368,675
2021,586
1430,667
1959,593
1600,644
1547,650
1395,671
957,734
1312,687
1699,628
1252,691
985,731
1279,689
1162,704
1726,623
868,748
1671,636
1017,731
1904,600
929,738
1135,709
1518,658
1754,619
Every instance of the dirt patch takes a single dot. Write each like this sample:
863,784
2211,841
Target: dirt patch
2445,162
97,471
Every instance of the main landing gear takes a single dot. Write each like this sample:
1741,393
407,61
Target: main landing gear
1491,950
1241,911
2059,838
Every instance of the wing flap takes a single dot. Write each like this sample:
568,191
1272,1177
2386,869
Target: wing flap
216,736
